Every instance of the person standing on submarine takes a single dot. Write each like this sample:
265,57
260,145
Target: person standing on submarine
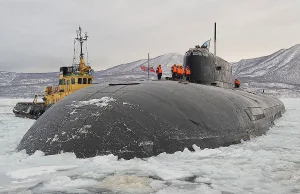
159,72
174,72
180,72
187,73
237,83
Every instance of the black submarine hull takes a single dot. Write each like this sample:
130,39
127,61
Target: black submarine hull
148,118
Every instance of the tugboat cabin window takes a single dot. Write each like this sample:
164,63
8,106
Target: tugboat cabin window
89,80
62,82
73,81
84,80
79,80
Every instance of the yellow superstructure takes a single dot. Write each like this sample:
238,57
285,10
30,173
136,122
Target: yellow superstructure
71,78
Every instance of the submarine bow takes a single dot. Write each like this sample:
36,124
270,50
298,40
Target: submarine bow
144,119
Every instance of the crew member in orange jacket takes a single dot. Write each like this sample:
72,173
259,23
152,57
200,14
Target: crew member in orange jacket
177,71
237,83
159,72
180,72
174,72
187,73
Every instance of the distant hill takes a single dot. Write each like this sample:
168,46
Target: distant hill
15,85
131,71
278,73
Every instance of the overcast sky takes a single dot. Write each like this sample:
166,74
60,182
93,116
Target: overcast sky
37,35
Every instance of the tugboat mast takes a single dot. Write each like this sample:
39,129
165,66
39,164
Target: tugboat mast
81,39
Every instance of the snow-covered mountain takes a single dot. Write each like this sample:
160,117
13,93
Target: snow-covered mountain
283,65
130,71
278,73
25,85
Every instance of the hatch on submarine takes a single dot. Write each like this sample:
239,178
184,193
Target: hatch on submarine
145,118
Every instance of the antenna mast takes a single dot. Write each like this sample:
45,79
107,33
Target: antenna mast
74,57
81,40
148,65
87,53
215,40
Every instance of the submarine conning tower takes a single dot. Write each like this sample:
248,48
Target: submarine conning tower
207,68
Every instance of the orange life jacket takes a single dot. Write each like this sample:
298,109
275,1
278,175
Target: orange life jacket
172,69
159,70
180,71
188,72
237,82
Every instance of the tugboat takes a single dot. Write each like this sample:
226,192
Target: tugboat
71,79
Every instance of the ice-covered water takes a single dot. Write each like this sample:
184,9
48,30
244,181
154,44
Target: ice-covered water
267,164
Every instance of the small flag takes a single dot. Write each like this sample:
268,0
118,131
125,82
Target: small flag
206,44
144,68
152,69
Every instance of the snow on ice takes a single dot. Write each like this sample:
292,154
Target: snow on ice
266,164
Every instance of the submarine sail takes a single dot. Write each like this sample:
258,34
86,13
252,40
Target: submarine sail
208,69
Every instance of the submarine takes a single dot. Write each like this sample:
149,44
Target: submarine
140,119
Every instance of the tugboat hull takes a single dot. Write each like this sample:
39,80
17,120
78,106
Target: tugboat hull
29,110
